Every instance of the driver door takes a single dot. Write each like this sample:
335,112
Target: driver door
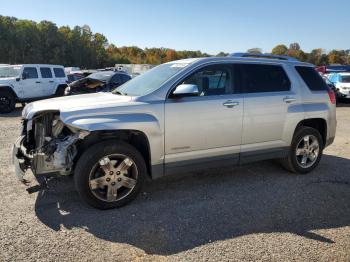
204,130
31,83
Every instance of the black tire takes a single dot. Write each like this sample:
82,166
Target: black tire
7,101
60,91
91,157
290,162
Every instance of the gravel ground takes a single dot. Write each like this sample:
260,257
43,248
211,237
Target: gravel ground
252,212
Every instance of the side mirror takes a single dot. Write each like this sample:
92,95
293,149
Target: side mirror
24,76
186,90
18,79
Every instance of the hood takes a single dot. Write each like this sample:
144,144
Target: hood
73,103
5,80
343,84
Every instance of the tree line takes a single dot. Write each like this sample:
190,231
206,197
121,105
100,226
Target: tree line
26,41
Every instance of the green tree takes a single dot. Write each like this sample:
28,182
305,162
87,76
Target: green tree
280,50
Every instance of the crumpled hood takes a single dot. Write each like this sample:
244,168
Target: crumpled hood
78,102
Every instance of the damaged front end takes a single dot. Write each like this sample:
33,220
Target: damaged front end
46,146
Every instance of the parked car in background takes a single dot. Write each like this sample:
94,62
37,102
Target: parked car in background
74,77
25,83
185,115
103,81
341,82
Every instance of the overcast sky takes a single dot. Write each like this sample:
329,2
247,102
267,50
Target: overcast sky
209,26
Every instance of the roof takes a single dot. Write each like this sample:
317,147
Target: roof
240,59
34,65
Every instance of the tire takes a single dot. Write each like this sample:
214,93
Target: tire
293,162
60,91
89,169
7,101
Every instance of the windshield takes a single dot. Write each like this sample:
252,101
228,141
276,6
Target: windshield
102,76
345,79
150,81
9,71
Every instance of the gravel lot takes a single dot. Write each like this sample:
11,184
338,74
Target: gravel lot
252,212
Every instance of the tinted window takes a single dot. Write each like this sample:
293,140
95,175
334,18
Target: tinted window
212,80
345,78
116,79
30,72
59,72
125,78
311,78
45,72
262,78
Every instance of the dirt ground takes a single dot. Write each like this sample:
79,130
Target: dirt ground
251,212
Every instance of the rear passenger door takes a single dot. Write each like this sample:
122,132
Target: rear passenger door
47,81
268,93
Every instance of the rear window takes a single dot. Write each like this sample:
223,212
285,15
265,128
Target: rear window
59,72
312,78
263,78
45,72
345,78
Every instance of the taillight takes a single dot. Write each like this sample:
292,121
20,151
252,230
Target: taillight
331,95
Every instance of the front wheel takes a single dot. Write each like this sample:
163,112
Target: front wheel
109,174
305,151
7,101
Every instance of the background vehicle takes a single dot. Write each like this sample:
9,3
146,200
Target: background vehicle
104,81
341,82
185,115
25,83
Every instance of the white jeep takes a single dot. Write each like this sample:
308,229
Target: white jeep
25,83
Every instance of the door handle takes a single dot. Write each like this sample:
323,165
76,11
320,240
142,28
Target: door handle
38,82
51,81
289,99
230,103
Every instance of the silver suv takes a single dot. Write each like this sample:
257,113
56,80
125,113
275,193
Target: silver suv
180,116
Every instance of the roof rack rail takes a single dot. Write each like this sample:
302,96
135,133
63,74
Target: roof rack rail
268,56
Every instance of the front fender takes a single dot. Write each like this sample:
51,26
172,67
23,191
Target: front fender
143,122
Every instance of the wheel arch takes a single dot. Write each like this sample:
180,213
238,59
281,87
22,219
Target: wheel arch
9,89
136,138
319,124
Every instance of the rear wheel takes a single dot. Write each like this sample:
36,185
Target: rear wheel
7,101
109,174
305,152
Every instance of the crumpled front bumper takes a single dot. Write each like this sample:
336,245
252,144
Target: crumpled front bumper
17,160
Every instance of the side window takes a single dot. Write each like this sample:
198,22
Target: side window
256,78
125,78
59,72
312,79
30,72
45,72
212,80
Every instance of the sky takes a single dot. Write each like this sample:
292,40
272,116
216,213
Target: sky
207,25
